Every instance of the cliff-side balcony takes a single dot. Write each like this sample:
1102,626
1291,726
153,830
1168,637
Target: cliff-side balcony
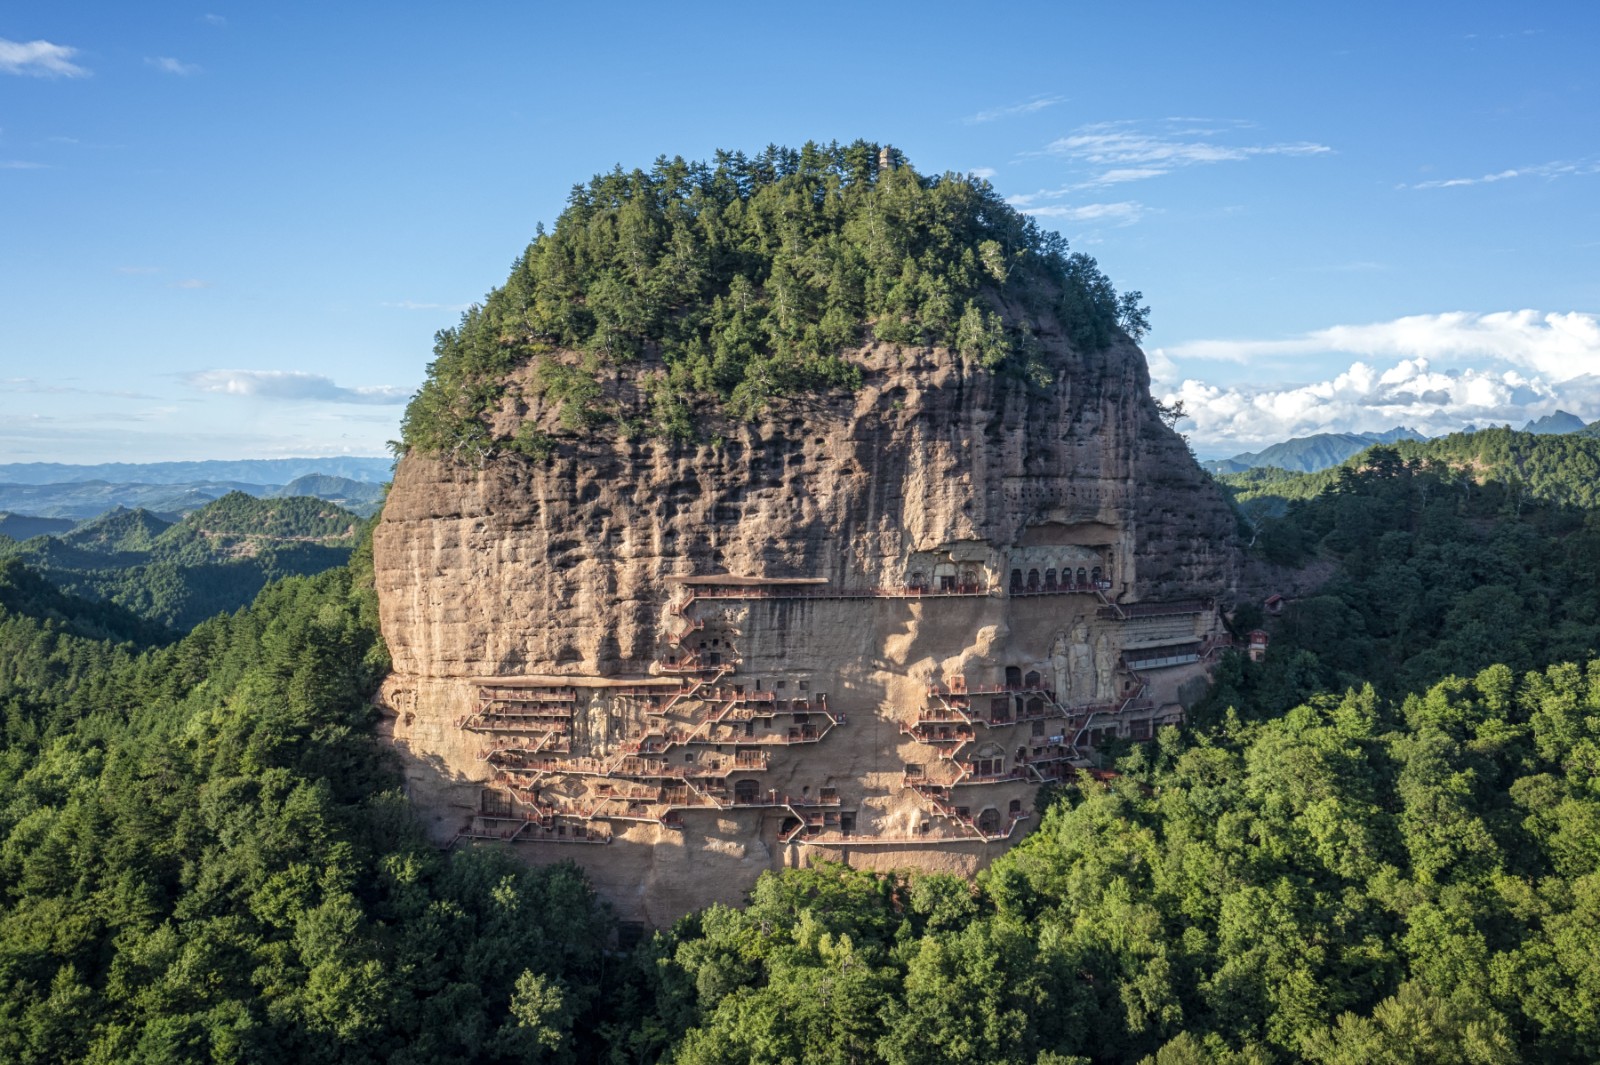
528,695
938,732
971,774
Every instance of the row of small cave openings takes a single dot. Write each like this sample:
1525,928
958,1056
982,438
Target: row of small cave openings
1051,581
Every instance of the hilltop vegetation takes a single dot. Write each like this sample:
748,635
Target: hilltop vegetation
176,574
745,280
1562,469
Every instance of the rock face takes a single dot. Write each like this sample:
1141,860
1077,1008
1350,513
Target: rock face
868,627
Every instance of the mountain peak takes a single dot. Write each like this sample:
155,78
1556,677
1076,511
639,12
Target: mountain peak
1554,424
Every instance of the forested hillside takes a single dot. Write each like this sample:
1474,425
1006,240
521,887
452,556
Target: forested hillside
1435,573
214,560
204,859
1559,469
744,280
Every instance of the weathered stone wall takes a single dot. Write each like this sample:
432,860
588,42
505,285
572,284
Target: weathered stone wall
564,567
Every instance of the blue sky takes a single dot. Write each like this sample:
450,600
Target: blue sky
231,230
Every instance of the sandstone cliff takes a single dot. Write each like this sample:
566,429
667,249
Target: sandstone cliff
1056,512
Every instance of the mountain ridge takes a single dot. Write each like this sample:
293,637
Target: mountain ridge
1307,454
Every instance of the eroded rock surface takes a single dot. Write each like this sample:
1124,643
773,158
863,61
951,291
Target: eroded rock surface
915,603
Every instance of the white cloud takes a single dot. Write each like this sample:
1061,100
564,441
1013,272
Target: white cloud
39,59
213,20
1123,214
291,385
191,283
1125,174
1132,153
1557,346
1544,170
169,65
984,172
1038,103
1367,398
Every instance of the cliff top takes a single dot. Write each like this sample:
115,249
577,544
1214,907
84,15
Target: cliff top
723,287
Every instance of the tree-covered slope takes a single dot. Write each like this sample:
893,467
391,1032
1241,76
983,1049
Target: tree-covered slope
117,531
358,497
239,525
725,286
1429,572
214,560
26,526
204,858
1561,469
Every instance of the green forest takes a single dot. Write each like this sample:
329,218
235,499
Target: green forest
177,574
1382,844
731,284
1562,468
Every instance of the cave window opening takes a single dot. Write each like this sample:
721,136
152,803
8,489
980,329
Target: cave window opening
1050,580
1016,580
1033,580
1013,677
1083,576
1031,680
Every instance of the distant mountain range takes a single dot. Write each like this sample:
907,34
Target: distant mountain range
1556,424
368,470
1308,454
77,498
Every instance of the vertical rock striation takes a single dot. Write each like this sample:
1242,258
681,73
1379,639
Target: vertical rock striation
1052,549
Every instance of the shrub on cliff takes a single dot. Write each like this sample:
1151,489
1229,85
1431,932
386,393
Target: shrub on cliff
746,279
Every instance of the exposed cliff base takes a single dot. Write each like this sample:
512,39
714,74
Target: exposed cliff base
867,627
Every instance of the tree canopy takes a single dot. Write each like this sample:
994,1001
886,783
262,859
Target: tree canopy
727,285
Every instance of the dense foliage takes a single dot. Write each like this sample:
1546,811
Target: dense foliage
746,279
1430,572
1353,882
214,560
203,858
1561,468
